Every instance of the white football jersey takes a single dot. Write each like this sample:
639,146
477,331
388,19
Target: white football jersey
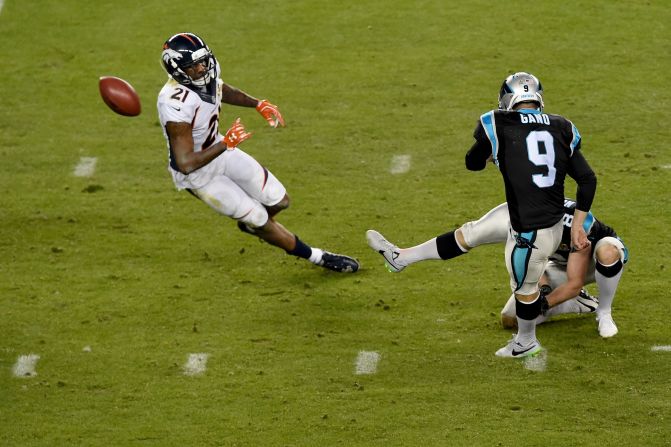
177,103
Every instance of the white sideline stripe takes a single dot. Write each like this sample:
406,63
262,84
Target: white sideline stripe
196,364
366,362
538,362
400,164
25,365
666,348
86,167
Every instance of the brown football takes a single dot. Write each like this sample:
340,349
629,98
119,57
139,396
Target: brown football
120,96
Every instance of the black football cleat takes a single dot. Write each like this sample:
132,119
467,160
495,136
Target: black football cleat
339,263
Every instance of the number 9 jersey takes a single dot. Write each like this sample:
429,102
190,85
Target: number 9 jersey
534,152
179,104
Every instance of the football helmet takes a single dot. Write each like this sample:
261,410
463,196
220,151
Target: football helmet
185,50
520,87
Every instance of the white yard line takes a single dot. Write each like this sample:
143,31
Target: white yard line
400,164
86,167
666,348
196,364
25,365
366,362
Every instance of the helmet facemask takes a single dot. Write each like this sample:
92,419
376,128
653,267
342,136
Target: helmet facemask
205,57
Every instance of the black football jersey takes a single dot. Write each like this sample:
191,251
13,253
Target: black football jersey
534,152
595,229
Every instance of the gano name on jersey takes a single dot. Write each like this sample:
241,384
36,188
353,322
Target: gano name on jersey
177,103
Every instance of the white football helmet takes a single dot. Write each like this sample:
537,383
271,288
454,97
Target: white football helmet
520,87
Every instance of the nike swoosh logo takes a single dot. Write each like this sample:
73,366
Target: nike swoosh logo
176,108
393,258
522,352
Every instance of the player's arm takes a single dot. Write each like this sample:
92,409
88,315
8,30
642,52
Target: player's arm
236,97
576,270
584,176
478,155
181,145
481,151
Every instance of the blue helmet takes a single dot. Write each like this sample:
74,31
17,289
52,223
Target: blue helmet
185,50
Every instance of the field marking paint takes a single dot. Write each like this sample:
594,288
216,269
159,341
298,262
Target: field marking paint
400,164
196,364
86,167
366,362
25,365
2,3
666,348
538,362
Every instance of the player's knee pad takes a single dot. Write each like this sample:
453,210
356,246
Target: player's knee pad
256,218
528,311
614,242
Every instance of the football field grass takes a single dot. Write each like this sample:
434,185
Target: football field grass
133,315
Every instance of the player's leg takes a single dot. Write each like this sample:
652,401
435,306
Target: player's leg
263,187
526,257
553,277
491,228
443,247
610,255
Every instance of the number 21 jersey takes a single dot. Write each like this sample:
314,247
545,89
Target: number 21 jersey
177,103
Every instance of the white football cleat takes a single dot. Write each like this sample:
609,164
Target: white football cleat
607,327
389,251
517,350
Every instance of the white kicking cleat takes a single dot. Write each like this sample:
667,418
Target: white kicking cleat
389,251
517,350
607,327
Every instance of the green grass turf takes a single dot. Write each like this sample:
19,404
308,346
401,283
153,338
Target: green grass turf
143,275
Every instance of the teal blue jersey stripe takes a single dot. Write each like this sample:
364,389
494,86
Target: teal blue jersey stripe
589,221
520,259
487,121
576,137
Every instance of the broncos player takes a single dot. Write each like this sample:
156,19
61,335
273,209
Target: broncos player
210,165
566,272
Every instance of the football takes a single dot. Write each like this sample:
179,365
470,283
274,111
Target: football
120,96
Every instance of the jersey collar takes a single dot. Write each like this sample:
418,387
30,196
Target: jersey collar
531,111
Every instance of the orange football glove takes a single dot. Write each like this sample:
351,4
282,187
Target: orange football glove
236,135
270,112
